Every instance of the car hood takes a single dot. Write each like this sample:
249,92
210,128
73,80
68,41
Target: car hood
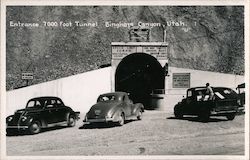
29,110
101,109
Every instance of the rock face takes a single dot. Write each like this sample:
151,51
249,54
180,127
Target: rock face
72,40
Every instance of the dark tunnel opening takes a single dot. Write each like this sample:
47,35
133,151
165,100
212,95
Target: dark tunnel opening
139,74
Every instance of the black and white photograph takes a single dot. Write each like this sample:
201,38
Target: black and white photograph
124,80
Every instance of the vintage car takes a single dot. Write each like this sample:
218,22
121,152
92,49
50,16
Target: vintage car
224,103
241,93
41,112
114,107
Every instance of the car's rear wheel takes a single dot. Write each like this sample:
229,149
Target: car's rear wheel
35,127
121,119
71,121
139,114
230,117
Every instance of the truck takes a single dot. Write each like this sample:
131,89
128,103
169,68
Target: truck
224,103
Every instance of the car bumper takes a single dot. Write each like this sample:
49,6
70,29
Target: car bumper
222,112
103,120
17,127
241,109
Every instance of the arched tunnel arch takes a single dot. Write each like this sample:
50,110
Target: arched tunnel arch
139,74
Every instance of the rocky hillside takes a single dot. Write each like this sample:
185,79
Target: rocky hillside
54,42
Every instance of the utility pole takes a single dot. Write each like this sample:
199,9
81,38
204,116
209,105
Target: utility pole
164,33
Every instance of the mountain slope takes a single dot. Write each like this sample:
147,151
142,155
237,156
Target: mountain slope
207,38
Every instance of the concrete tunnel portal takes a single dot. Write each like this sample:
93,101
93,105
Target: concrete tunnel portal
140,74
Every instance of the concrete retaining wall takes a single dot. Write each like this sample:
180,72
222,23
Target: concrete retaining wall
197,78
80,91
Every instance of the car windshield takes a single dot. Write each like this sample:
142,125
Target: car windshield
106,98
33,103
241,90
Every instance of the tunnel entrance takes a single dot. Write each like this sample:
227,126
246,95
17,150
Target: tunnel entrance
139,74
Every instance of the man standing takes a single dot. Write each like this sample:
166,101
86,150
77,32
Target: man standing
210,92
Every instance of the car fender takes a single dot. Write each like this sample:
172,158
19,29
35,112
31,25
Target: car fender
8,118
68,114
117,112
178,107
32,119
71,112
137,107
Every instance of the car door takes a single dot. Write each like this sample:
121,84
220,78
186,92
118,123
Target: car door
61,111
51,111
189,104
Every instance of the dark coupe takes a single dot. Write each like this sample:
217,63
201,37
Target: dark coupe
114,107
41,112
225,103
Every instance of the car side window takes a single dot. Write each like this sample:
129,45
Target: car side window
31,104
53,102
38,104
48,104
59,102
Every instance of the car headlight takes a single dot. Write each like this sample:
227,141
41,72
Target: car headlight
109,115
238,101
24,118
9,119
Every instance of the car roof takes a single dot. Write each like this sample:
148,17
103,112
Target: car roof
203,87
45,97
114,93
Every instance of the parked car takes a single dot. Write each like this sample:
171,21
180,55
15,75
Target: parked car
114,107
225,103
241,93
41,112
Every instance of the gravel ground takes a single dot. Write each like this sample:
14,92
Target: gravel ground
158,133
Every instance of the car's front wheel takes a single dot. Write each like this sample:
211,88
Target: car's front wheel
177,112
35,127
178,115
230,117
71,121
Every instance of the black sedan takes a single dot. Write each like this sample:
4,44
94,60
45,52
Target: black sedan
41,112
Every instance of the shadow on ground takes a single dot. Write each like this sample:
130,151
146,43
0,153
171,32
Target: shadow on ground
102,125
196,119
23,133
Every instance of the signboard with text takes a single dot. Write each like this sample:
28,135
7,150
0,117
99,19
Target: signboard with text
159,52
181,80
119,52
156,51
27,76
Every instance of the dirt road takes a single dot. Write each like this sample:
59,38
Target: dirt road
158,133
